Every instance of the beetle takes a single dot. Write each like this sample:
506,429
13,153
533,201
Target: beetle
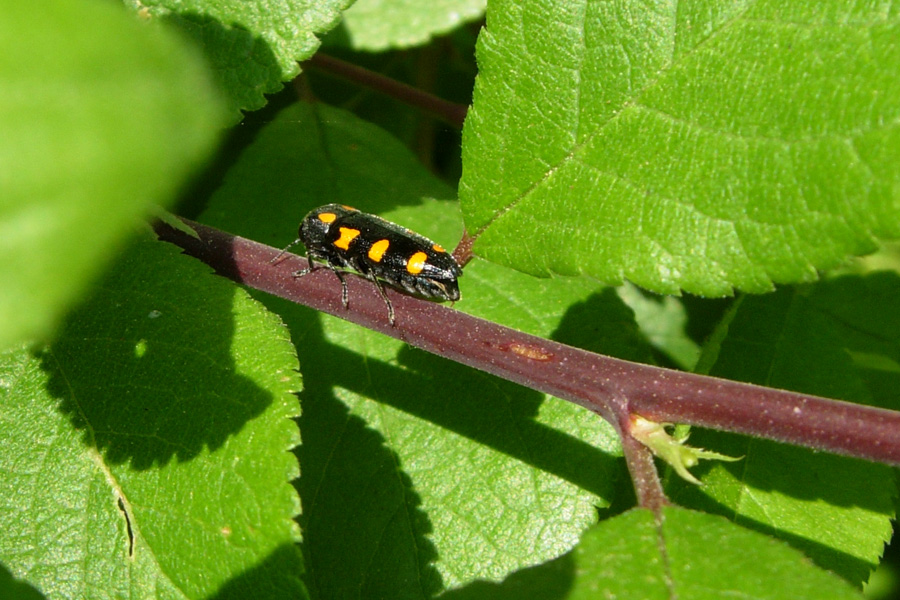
346,239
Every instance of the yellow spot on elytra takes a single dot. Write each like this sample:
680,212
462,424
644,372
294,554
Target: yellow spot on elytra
438,248
376,252
416,263
347,236
327,217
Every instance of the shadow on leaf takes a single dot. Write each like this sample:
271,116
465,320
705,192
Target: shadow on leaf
16,589
364,532
144,367
552,580
280,569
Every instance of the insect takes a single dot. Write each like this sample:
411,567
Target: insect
346,239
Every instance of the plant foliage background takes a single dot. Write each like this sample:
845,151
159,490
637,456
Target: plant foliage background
150,412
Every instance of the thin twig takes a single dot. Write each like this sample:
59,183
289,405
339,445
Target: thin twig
463,251
647,486
449,112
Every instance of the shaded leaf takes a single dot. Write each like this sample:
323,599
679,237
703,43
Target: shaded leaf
837,510
664,321
859,310
11,589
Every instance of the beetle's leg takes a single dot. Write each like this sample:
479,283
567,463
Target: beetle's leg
309,269
345,295
381,291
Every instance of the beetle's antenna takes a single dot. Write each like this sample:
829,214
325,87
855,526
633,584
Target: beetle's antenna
286,248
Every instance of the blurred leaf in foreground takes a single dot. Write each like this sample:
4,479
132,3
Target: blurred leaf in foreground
101,117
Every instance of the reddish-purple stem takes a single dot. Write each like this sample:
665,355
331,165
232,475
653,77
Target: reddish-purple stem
614,388
641,467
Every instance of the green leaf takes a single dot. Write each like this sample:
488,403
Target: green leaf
684,146
148,448
663,320
690,555
420,474
101,117
377,25
835,509
253,45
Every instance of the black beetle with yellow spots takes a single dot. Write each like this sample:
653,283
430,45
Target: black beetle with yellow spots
382,252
